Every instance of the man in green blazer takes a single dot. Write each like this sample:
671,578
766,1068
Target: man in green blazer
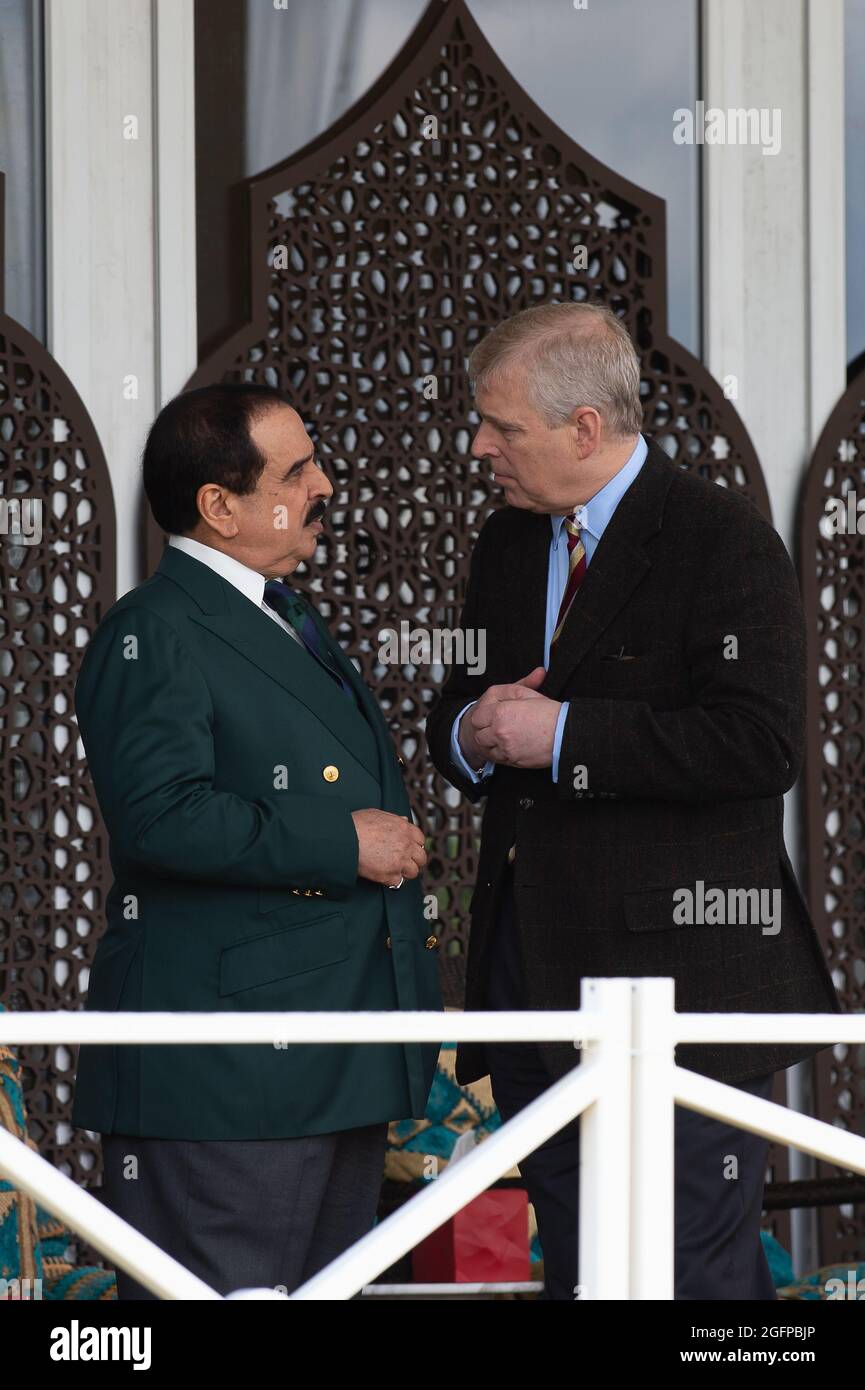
264,858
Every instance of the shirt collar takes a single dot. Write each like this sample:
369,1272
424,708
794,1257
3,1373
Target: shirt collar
249,582
595,514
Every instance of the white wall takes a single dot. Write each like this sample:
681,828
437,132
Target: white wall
121,222
773,238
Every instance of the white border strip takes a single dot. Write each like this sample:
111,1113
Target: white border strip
174,182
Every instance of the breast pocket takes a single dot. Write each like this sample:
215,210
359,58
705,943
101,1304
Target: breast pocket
283,952
636,674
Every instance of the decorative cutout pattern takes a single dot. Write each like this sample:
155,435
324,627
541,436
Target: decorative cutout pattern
832,553
57,581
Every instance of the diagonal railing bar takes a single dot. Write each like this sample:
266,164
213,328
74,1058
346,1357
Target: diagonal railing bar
87,1216
765,1117
458,1184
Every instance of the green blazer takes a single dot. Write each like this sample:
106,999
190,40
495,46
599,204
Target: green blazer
227,763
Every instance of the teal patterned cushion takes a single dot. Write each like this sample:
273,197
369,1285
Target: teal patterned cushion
34,1244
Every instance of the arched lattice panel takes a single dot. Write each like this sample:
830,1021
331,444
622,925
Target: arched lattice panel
832,553
444,201
57,580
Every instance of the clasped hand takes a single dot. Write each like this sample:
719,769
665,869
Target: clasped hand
511,724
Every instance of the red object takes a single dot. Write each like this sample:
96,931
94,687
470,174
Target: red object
487,1242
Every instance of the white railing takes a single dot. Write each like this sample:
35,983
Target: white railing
624,1090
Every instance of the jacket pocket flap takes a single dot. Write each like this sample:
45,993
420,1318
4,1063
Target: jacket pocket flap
271,899
280,954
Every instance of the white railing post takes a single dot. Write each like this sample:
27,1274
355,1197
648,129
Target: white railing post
605,1147
652,1139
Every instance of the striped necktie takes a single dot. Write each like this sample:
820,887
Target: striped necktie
294,608
576,571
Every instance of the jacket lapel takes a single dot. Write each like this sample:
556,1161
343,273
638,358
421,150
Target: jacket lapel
230,616
368,703
618,565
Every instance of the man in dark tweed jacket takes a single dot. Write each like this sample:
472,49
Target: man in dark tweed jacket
640,716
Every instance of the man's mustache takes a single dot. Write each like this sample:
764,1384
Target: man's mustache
317,512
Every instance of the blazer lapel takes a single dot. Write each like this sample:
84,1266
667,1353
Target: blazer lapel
368,703
231,617
618,565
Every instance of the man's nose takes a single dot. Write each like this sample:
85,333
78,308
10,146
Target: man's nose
322,486
483,444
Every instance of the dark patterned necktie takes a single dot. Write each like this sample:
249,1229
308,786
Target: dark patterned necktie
291,606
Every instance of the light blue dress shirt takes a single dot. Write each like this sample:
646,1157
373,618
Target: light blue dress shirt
593,519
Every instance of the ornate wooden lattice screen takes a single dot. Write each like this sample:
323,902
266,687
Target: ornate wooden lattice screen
444,201
57,580
832,553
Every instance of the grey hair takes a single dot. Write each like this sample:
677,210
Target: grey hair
572,355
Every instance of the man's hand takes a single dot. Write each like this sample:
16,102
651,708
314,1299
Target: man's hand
389,847
467,730
514,724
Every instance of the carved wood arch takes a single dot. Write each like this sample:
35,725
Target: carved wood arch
55,590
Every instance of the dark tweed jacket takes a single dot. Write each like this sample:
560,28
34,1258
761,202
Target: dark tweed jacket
687,755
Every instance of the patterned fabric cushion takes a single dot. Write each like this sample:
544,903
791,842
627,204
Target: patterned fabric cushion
422,1148
33,1243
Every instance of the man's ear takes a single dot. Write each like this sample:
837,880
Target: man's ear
216,510
586,423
